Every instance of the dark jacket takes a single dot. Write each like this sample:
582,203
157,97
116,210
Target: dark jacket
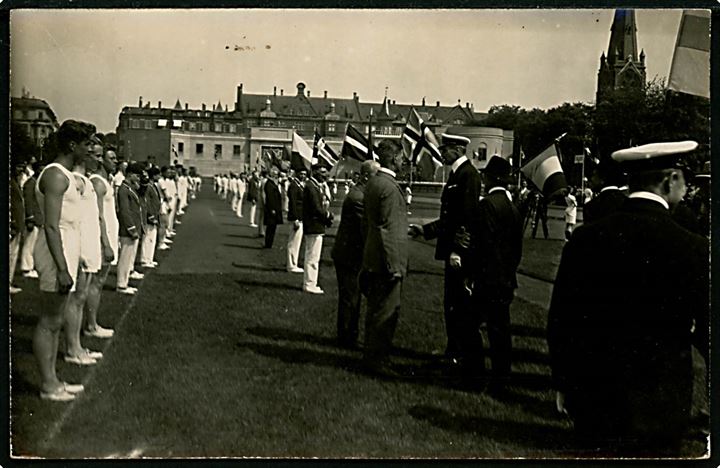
253,190
458,210
17,208
606,202
130,212
350,237
153,203
295,200
385,217
32,208
628,289
315,216
498,243
273,203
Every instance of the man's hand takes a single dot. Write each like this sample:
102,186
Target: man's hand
415,231
108,254
560,403
297,224
30,225
65,282
455,261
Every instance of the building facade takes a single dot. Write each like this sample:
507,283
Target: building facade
34,115
259,128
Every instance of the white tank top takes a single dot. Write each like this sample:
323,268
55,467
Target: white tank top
71,203
91,247
112,226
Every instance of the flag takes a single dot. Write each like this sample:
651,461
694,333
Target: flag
690,68
545,171
355,145
323,152
419,142
370,154
301,157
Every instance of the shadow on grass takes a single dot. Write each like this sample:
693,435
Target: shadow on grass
530,356
237,246
291,335
528,331
532,435
255,266
266,285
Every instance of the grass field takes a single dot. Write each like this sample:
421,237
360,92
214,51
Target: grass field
222,354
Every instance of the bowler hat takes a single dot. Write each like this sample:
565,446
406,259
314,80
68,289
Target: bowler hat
498,168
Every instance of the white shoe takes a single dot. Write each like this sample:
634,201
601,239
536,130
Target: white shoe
296,270
73,388
113,263
82,360
129,291
136,276
164,247
94,354
168,241
178,222
315,290
147,265
99,332
15,290
154,263
253,225
170,234
30,274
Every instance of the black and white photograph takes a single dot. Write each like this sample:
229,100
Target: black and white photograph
340,234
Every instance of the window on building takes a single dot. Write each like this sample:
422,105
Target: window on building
134,123
218,151
41,115
331,127
199,147
205,126
181,147
236,152
482,152
218,127
149,124
233,128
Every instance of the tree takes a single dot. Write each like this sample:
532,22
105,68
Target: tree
21,144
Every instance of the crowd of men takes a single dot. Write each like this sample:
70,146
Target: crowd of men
75,216
629,301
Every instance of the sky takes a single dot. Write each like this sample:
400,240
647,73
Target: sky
89,64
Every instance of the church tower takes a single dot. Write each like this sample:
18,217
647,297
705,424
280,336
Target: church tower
622,66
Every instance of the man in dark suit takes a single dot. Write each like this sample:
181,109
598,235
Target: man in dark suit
347,254
497,256
272,207
630,298
316,218
153,203
458,210
131,219
385,257
296,186
611,197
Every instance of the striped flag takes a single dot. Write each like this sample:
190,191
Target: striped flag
545,171
323,152
301,157
420,143
690,69
355,145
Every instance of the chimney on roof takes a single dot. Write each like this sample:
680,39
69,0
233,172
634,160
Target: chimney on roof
238,99
423,101
282,91
325,94
274,90
186,106
159,104
393,102
355,96
467,104
203,107
437,103
140,102
308,93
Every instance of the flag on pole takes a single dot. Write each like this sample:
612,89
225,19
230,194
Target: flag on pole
370,153
419,142
545,171
323,152
301,157
355,145
690,68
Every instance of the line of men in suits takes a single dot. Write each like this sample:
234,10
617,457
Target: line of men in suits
77,225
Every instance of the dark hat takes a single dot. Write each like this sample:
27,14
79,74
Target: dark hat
497,167
153,171
449,139
654,156
135,168
319,164
611,172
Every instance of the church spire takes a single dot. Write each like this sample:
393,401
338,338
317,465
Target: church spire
623,35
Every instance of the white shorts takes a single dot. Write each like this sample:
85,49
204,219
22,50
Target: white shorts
45,265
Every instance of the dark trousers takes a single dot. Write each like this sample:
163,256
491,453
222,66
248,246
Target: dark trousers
383,308
270,235
540,217
494,301
457,307
348,303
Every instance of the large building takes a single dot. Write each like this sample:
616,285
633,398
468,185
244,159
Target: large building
622,67
259,127
34,115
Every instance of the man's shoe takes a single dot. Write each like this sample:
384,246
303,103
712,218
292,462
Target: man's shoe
147,265
94,354
15,290
129,291
296,270
60,395
73,388
154,263
113,263
380,369
253,225
164,247
30,274
136,276
314,290
177,221
168,241
82,360
99,332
